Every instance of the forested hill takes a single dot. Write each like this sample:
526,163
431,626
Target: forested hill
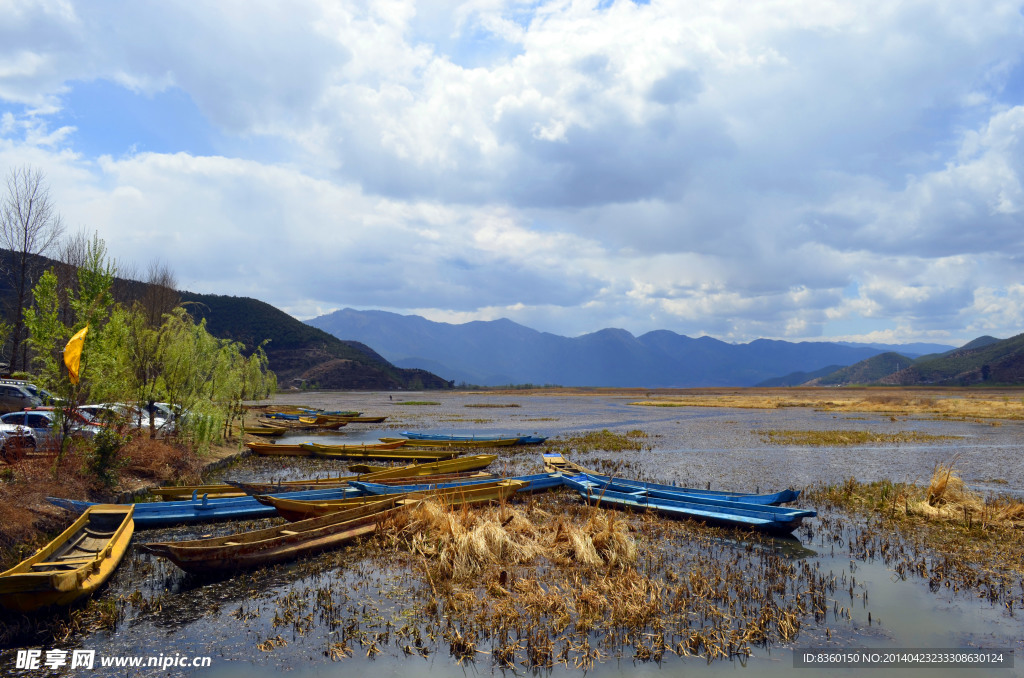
299,353
984,361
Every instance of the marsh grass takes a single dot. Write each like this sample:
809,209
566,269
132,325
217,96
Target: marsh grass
948,404
838,438
492,405
603,440
980,538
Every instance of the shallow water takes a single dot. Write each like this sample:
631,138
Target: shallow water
166,612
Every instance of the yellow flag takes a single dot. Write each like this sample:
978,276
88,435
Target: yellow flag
73,353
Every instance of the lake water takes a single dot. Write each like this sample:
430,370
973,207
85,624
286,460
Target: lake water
165,613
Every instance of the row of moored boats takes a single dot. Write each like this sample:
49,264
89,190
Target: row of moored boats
327,512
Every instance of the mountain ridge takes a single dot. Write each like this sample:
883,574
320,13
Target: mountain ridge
500,352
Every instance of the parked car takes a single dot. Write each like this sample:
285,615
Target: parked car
15,441
15,395
41,422
45,396
134,416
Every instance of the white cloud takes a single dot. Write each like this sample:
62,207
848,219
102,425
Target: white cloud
712,167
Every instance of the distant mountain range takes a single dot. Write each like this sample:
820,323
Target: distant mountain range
499,352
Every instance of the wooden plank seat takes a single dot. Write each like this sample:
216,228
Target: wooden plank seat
65,561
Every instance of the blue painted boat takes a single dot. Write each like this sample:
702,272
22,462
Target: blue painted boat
520,440
534,483
203,509
673,492
774,519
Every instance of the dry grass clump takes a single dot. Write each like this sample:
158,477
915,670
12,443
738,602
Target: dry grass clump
949,498
460,544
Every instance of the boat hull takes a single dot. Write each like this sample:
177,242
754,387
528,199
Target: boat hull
205,510
440,437
456,444
391,450
279,544
74,564
296,510
772,519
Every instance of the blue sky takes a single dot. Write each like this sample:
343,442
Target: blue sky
790,169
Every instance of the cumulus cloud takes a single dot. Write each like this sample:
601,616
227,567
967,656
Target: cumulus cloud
710,167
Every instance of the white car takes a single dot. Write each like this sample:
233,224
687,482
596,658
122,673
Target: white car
15,441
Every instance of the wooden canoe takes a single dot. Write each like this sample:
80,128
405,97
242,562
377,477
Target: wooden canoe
271,431
278,450
74,564
393,450
556,463
179,492
325,483
204,509
537,482
455,444
657,490
447,468
297,509
260,548
443,437
771,519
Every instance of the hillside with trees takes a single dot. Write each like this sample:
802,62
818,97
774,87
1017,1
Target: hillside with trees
301,355
983,361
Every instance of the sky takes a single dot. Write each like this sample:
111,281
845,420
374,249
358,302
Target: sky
791,169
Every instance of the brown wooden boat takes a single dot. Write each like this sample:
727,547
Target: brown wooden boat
390,450
379,474
277,449
325,484
294,509
260,548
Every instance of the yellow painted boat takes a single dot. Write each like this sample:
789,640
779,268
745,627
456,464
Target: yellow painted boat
278,450
74,564
556,463
465,464
456,444
295,509
393,450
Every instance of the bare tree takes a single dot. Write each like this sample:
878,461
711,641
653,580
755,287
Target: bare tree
160,296
29,227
